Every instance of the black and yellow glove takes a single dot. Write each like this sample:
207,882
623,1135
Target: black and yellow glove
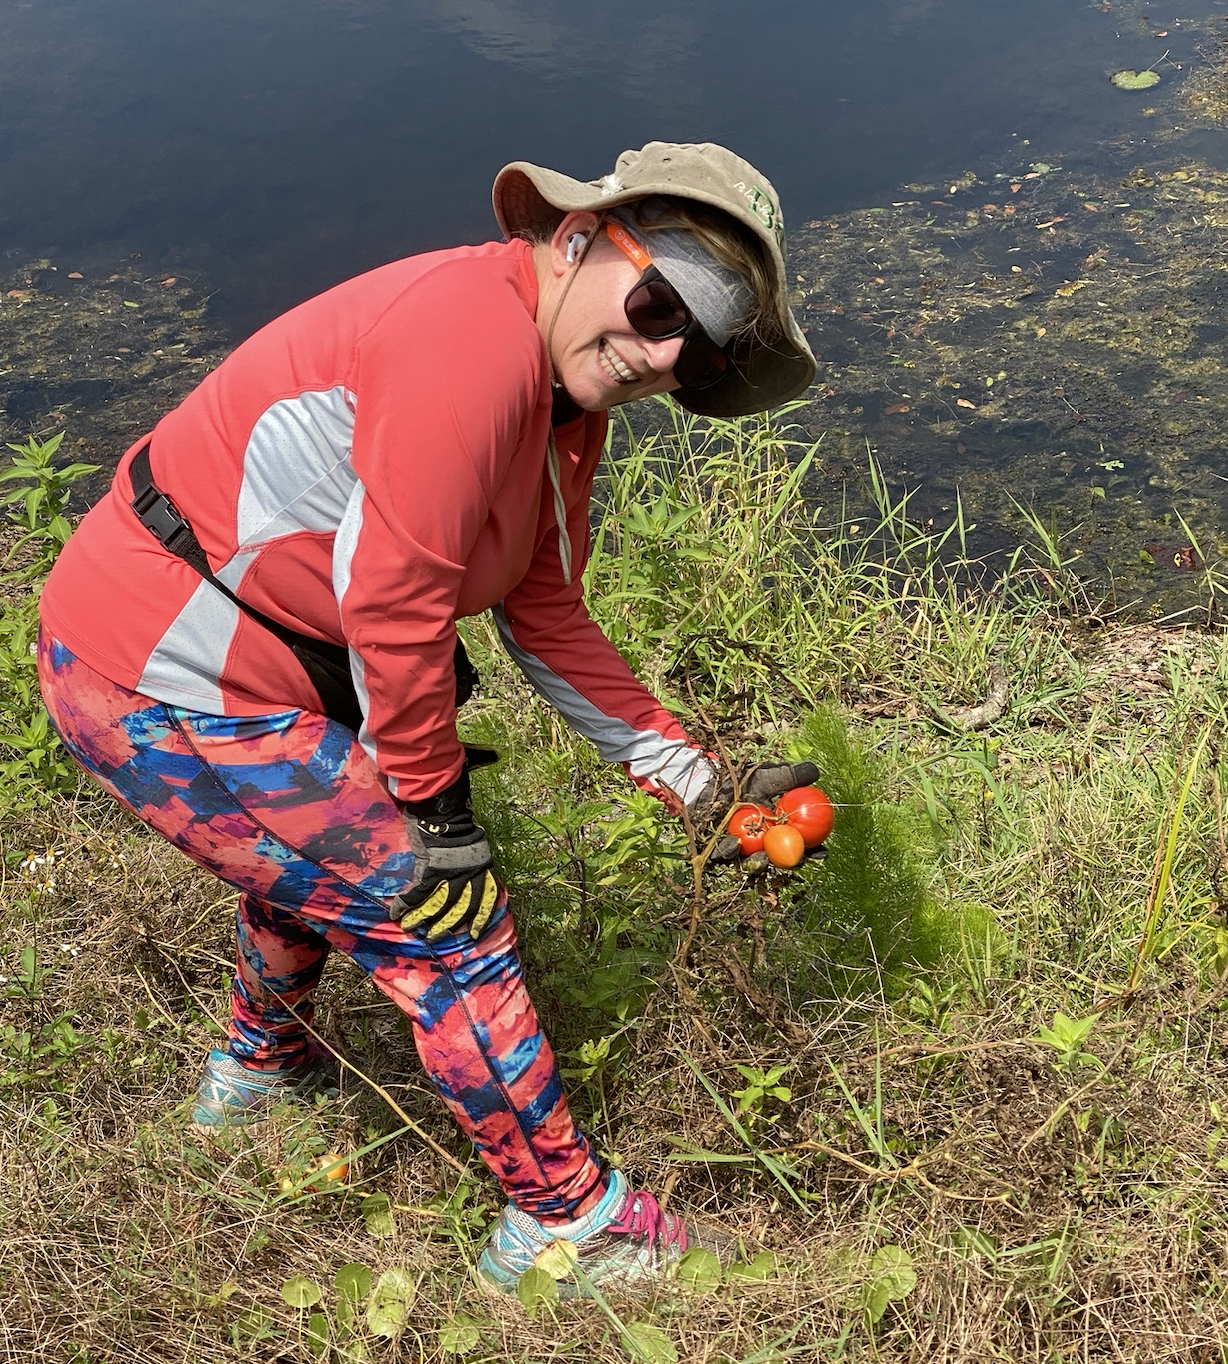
454,888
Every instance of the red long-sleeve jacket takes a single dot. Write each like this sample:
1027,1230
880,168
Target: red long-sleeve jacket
367,469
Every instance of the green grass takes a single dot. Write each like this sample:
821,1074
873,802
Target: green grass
995,1008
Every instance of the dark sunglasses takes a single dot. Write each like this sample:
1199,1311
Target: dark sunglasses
656,310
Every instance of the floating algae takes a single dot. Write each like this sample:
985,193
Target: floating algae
1038,337
102,353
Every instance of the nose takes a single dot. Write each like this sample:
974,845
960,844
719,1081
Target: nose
662,355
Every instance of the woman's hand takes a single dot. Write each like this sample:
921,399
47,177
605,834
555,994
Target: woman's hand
759,784
454,887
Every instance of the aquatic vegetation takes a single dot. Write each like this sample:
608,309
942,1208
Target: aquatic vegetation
1135,80
106,351
1040,336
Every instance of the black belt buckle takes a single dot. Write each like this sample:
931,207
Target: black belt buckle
158,514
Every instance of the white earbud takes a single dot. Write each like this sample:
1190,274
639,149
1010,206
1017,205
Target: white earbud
576,242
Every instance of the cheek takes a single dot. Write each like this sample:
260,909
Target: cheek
592,312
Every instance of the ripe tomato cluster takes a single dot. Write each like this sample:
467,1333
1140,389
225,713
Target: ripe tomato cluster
801,821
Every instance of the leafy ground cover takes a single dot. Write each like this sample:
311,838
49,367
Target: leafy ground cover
958,1086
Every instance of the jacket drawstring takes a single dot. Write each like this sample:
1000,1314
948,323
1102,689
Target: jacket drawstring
560,507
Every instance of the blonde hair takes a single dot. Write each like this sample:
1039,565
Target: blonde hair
733,245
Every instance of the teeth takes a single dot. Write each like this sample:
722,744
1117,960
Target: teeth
619,372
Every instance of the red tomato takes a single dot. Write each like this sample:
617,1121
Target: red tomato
748,824
784,845
807,810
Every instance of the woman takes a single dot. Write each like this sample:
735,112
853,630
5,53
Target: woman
251,640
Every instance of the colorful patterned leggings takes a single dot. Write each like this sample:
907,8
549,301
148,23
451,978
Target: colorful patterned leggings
289,810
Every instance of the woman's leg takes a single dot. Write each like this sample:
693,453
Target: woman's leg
289,809
278,963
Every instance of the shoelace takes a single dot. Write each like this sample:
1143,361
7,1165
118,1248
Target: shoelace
644,1218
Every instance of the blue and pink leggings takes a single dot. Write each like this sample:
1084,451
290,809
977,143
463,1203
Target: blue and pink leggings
289,810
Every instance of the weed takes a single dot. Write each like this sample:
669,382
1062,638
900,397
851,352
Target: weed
761,1085
1067,1036
39,503
32,761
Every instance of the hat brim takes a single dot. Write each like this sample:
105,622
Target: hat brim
532,200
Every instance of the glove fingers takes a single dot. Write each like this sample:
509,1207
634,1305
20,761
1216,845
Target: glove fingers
490,897
428,908
726,850
774,779
453,916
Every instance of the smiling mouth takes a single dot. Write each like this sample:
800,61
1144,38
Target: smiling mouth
615,366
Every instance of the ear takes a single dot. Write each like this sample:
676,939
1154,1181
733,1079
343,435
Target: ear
571,224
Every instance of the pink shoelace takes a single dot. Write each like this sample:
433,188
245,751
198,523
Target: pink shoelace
644,1218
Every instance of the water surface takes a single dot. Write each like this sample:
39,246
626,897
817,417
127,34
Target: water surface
201,168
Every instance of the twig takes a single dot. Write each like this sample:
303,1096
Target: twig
923,1052
912,1170
989,710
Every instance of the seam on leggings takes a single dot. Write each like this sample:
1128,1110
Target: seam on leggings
500,1083
259,823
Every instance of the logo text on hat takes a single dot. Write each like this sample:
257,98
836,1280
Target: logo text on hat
763,207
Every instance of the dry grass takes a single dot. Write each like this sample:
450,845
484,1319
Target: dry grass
1053,1205
1050,1212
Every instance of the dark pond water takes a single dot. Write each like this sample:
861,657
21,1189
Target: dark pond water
284,145
256,154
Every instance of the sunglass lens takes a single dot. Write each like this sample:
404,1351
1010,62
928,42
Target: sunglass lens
655,310
700,363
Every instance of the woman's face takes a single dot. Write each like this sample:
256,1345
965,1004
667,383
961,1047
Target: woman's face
598,356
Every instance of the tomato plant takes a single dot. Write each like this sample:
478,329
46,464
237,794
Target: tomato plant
808,810
748,824
784,845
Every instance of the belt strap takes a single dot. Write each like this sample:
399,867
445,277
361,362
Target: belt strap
161,518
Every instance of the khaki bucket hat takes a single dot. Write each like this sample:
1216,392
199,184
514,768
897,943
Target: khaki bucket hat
531,201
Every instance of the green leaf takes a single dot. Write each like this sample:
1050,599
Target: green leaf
535,1287
651,1343
895,1264
977,1242
763,1266
317,1333
459,1335
377,1213
252,1326
700,1269
875,1300
557,1259
1135,80
390,1302
299,1291
893,1278
352,1281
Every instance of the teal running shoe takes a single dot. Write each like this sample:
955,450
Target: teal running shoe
627,1241
231,1094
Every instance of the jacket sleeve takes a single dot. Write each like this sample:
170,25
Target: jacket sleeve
448,388
546,627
